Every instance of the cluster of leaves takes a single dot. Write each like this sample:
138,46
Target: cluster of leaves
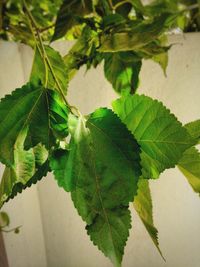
104,159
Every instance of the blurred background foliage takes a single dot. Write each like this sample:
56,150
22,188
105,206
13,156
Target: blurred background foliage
14,25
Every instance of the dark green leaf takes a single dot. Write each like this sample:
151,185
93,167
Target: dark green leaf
101,169
58,115
40,110
41,70
161,137
143,205
70,9
112,20
122,71
60,163
189,165
26,107
17,230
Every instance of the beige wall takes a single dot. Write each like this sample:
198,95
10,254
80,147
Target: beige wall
176,207
27,248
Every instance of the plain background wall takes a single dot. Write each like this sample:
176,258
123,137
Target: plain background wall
58,228
26,249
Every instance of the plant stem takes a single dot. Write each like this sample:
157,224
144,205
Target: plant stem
10,230
195,6
43,52
121,3
111,4
47,28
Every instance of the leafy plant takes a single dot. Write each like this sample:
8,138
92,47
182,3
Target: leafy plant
104,159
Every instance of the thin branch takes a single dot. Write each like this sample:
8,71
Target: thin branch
195,6
47,28
111,4
10,230
43,52
121,3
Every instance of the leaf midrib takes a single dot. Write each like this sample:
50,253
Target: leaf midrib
111,141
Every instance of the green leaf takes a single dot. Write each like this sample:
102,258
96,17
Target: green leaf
138,36
110,232
157,50
158,7
4,219
193,129
42,72
60,164
102,170
143,205
189,165
58,112
82,51
161,137
67,15
33,107
25,166
122,71
26,107
162,60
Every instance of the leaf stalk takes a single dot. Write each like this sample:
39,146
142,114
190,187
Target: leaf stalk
33,24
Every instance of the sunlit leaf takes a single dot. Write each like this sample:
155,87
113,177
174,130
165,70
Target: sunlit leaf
162,138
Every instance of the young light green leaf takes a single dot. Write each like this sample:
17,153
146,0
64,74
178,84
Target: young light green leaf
30,106
162,60
138,36
67,15
193,129
122,71
26,164
42,72
103,170
4,219
189,165
161,137
143,205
